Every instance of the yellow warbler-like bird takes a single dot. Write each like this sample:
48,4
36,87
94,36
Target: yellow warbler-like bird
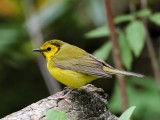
73,66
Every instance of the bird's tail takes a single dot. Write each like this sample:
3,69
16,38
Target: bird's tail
115,71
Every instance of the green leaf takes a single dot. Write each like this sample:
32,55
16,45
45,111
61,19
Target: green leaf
135,34
123,18
144,13
127,114
56,115
98,32
126,54
104,51
142,93
155,18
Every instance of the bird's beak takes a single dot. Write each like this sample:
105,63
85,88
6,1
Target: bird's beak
37,50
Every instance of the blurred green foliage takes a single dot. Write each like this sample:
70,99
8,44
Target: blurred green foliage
98,32
142,94
21,82
127,114
125,50
54,114
104,51
155,18
135,34
133,39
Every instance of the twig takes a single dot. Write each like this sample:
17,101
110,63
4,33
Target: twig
85,103
34,30
116,55
154,61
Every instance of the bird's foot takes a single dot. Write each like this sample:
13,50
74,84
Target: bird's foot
66,96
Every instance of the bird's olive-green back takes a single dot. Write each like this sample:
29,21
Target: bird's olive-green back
73,58
67,52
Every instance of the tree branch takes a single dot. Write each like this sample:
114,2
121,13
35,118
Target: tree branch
34,30
116,55
85,103
151,51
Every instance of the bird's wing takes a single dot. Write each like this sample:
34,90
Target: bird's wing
86,64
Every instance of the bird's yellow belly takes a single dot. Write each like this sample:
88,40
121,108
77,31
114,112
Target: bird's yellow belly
70,78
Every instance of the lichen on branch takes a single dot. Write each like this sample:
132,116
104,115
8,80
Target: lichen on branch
85,103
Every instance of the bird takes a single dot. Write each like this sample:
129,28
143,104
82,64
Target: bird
73,66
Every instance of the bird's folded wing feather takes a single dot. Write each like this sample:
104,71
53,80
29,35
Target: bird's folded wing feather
87,64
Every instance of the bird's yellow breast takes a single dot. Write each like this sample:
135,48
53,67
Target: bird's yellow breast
70,78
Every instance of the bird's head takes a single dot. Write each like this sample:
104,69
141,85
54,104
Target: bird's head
49,48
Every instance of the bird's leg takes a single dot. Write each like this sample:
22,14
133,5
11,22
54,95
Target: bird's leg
65,96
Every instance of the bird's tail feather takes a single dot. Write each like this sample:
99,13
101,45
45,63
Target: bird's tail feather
115,71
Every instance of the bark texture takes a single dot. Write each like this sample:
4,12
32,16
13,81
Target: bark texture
85,103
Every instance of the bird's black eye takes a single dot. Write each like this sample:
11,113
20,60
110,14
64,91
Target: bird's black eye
49,48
